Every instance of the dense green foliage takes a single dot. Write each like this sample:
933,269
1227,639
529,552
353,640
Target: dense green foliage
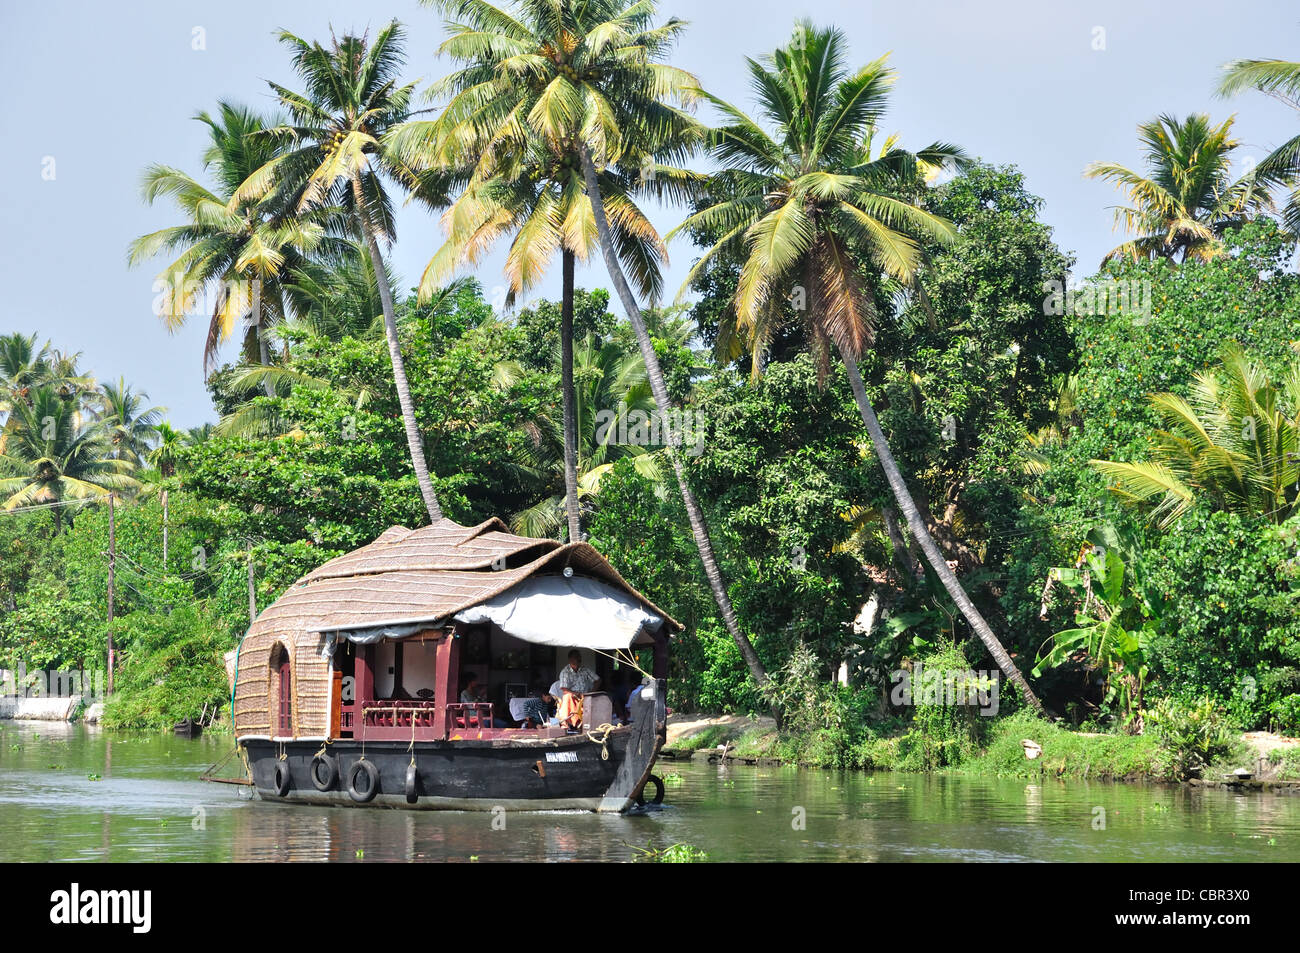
1022,406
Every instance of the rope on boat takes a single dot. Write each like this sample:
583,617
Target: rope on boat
603,740
624,657
234,684
212,773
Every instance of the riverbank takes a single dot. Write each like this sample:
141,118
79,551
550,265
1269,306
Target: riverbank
136,797
1260,760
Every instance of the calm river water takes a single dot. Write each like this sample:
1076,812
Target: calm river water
70,793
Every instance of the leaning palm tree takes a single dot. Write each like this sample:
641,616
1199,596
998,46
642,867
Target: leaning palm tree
234,250
333,156
587,78
1235,445
1180,211
810,210
52,457
1281,80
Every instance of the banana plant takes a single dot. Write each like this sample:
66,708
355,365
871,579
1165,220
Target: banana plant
1113,626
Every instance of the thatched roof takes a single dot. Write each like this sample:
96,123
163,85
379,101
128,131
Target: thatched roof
404,576
430,574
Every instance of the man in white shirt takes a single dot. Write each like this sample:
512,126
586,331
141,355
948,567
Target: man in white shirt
576,677
575,681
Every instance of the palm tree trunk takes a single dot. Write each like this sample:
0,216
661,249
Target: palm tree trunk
699,528
264,355
928,546
395,354
570,403
902,554
164,506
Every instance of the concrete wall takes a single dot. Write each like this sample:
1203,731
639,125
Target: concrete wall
38,709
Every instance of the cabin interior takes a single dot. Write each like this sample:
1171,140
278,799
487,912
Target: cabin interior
412,687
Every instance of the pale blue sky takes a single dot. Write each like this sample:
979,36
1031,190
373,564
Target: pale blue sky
106,89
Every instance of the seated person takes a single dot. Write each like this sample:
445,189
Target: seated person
472,694
635,694
575,681
536,710
620,693
554,693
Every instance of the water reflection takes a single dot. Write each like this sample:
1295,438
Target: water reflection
70,793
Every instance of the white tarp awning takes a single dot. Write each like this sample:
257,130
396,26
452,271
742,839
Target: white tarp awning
577,612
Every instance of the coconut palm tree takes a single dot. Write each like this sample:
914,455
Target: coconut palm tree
586,78
131,427
610,392
533,187
1281,80
332,155
51,456
23,365
340,298
811,212
1234,445
1182,208
234,250
165,458
540,198
200,434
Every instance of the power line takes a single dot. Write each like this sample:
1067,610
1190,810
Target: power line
45,506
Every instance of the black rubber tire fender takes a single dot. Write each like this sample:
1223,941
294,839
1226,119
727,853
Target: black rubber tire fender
281,777
658,783
412,784
330,766
372,776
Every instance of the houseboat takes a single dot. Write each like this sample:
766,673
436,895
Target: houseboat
350,689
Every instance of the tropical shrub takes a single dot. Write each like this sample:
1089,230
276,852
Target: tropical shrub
942,734
1119,612
172,668
1192,736
1232,613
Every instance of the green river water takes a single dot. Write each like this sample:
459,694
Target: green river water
72,793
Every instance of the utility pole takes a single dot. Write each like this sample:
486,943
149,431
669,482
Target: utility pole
252,592
112,569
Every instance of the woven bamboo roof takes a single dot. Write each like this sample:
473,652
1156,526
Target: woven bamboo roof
430,574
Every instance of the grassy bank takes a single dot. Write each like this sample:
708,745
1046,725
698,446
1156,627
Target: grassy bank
994,748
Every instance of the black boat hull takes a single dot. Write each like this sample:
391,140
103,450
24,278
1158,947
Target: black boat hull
573,772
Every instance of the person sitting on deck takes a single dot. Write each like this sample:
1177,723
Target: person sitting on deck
471,694
575,681
536,711
620,692
633,695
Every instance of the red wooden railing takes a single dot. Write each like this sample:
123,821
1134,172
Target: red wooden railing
405,714
461,717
